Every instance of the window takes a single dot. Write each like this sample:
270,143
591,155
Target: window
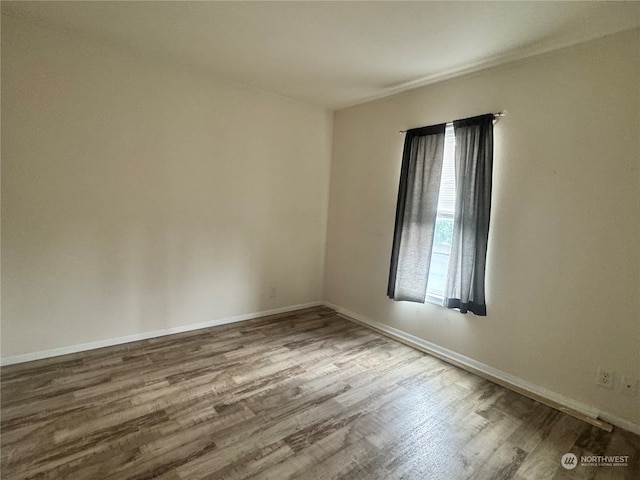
443,233
442,216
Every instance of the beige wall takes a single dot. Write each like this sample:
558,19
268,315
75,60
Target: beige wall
564,253
137,196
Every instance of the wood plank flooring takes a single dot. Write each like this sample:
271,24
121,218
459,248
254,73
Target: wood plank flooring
306,395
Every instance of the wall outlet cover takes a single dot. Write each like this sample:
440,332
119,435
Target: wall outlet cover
605,378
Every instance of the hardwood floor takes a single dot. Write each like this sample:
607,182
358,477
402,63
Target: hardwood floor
306,395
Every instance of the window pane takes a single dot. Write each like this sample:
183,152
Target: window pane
440,255
447,196
443,234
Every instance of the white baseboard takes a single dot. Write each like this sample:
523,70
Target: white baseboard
509,381
620,422
28,357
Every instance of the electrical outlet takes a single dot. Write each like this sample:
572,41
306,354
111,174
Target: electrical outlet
629,386
605,378
273,291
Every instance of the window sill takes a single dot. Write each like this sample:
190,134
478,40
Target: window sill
435,299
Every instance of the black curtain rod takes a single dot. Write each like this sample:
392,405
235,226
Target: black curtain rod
499,114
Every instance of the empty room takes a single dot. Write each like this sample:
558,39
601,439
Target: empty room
320,240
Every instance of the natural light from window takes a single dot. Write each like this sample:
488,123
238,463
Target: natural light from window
443,233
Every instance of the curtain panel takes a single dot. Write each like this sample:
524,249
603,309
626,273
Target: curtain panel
465,282
416,213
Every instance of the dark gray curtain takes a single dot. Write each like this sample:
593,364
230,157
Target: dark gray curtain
416,213
474,163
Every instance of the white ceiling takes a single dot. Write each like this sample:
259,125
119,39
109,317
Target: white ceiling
335,54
